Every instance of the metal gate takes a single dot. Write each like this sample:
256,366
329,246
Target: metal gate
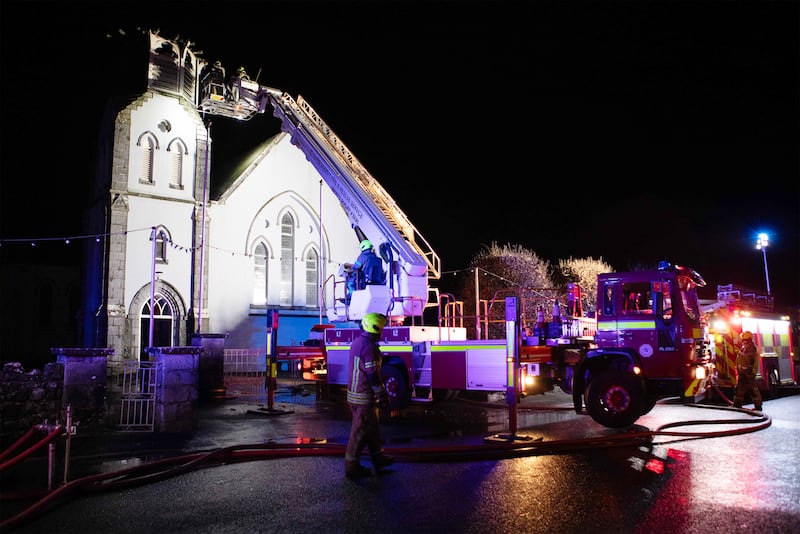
245,378
245,373
137,413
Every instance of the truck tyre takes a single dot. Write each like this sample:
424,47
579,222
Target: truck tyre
649,404
394,380
614,399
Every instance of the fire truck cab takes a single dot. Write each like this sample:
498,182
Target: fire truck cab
649,345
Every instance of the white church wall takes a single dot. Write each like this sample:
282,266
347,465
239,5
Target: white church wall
159,204
282,182
165,119
145,213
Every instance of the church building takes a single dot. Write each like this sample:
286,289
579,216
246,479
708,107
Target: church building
168,262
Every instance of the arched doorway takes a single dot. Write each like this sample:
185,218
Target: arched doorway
163,324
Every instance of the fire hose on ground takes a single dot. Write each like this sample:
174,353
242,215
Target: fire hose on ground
165,468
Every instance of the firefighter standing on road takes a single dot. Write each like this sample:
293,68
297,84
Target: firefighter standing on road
365,395
746,366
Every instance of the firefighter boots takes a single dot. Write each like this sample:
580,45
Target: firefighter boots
355,470
381,462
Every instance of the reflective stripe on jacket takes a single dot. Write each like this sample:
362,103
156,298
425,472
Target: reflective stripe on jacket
364,383
747,357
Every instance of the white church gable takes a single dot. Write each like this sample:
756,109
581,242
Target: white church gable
265,241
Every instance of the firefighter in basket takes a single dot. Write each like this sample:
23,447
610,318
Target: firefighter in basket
367,269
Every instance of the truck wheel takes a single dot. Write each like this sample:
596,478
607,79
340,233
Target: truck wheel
614,400
649,404
394,380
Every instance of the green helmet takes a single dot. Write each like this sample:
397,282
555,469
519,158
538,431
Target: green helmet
373,322
365,245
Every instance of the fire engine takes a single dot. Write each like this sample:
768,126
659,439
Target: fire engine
645,340
617,364
738,310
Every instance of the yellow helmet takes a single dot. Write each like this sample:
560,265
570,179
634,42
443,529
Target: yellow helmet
747,335
373,322
365,245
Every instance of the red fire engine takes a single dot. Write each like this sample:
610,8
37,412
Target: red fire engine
616,365
739,310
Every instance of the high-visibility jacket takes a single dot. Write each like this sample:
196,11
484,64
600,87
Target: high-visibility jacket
747,357
365,383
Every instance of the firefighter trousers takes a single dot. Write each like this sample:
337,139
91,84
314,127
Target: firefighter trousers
746,384
364,432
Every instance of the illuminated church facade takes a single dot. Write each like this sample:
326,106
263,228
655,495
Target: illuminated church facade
169,256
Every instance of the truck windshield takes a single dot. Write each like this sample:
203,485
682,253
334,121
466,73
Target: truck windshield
689,299
637,298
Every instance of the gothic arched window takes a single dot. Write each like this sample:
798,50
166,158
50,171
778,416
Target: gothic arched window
177,152
287,260
312,277
260,274
148,146
162,242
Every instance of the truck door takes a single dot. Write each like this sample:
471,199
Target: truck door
668,346
607,296
636,321
662,310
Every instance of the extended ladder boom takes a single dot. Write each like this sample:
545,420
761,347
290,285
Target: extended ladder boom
372,212
367,203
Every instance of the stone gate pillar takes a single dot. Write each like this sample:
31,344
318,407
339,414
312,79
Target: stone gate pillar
176,388
212,365
85,371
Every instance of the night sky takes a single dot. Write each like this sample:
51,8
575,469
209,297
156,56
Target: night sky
628,131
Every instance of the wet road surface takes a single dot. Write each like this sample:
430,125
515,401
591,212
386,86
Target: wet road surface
252,469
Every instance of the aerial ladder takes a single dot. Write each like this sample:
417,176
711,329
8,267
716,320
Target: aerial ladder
372,212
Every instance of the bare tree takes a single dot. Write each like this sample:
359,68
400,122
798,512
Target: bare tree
582,271
500,271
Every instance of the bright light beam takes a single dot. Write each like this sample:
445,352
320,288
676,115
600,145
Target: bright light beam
761,244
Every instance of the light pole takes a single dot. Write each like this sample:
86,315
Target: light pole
153,235
761,244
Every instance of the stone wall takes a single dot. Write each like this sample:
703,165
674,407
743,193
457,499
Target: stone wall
78,380
75,381
85,389
29,398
